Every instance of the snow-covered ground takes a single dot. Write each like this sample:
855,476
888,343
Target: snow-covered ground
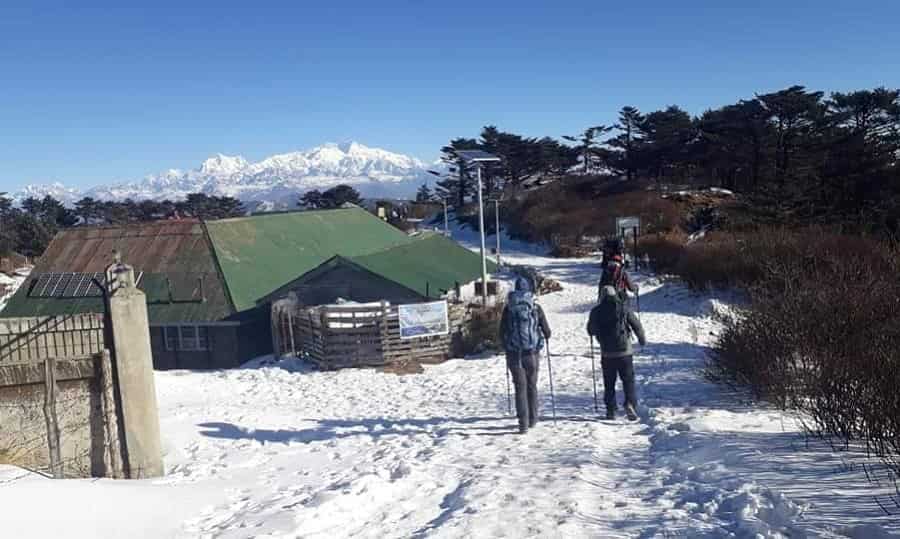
285,451
9,284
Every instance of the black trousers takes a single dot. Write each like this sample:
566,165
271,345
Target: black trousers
621,367
524,370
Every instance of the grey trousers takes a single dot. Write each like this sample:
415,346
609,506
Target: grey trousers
524,370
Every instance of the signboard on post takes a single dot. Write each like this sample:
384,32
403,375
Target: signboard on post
629,226
626,226
423,319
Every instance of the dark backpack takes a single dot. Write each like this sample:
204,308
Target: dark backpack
610,324
522,331
613,274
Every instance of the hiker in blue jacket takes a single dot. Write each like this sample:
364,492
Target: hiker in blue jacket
523,329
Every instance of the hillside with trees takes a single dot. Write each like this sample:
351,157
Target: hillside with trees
796,156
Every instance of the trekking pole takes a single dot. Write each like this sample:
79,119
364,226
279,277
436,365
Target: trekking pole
637,299
594,376
550,373
508,398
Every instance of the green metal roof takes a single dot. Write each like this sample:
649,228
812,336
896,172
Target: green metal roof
242,260
429,263
260,253
171,256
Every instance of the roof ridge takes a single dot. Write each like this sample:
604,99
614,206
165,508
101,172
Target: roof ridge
265,214
409,240
215,258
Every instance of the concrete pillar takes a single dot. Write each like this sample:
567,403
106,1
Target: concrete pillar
134,372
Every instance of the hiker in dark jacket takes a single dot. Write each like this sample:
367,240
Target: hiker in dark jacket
523,329
611,322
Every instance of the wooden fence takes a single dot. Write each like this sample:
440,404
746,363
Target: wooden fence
357,336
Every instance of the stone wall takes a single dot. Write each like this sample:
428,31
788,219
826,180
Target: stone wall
84,415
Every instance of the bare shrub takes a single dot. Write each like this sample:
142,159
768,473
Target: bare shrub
663,250
569,211
821,335
482,330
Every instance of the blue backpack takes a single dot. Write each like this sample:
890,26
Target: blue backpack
523,331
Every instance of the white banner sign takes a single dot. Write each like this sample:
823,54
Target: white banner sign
626,225
423,319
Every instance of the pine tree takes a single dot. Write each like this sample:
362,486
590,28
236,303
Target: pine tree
424,194
588,145
89,210
667,135
339,195
458,184
627,142
203,206
8,236
311,200
794,113
32,236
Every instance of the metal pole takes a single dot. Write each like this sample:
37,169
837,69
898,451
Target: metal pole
594,375
550,374
508,397
634,232
497,226
446,221
481,233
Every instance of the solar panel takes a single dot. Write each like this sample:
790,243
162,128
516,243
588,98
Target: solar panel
66,285
477,156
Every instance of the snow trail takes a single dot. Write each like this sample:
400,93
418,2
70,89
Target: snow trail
286,451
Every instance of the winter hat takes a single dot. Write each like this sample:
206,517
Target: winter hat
523,285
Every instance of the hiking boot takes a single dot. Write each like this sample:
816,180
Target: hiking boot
610,413
630,412
523,430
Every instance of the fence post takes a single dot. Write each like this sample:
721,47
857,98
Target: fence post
385,333
112,458
50,417
290,321
133,367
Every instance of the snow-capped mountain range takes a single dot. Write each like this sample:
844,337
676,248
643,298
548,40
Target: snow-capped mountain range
273,183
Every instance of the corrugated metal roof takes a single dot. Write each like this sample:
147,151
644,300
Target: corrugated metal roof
260,253
173,255
253,255
430,262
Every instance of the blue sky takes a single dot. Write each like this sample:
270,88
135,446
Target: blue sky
96,93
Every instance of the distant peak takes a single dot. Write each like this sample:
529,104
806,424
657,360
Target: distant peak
223,164
350,145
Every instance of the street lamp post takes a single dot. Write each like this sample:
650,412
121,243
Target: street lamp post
497,228
481,233
479,158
